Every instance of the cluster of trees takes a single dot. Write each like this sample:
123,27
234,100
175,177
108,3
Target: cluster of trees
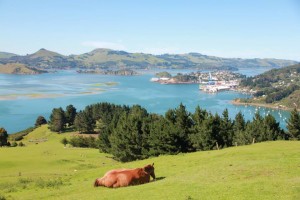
4,139
60,119
136,134
131,133
276,94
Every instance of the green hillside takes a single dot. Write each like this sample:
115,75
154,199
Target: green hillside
6,55
43,59
277,87
18,68
47,170
114,60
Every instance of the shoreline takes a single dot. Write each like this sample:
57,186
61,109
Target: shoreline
277,107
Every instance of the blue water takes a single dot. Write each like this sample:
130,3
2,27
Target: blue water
20,110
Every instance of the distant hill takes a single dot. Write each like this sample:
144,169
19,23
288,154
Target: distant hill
278,87
6,55
43,59
18,68
114,60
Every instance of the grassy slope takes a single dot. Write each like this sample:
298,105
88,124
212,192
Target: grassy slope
6,55
268,170
16,68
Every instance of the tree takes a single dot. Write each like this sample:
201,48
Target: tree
183,123
70,114
129,139
57,120
84,122
3,137
293,125
240,135
272,129
239,122
162,138
40,121
226,130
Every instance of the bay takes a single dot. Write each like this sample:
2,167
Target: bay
24,98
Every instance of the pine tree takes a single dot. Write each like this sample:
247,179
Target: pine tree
255,130
126,139
226,130
240,137
161,137
57,120
293,125
199,115
272,129
239,122
202,138
183,123
70,114
84,122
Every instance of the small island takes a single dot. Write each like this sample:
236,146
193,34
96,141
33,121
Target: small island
18,68
122,72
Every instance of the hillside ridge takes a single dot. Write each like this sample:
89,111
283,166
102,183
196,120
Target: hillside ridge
114,59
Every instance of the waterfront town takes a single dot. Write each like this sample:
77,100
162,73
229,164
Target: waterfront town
210,82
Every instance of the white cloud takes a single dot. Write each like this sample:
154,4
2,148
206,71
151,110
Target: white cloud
101,44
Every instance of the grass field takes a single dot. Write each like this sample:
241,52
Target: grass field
47,170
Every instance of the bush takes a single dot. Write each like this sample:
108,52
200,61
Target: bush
21,144
14,144
64,141
85,142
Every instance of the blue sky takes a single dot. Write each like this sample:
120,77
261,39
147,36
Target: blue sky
231,28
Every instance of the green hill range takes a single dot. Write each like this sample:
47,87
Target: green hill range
114,60
279,88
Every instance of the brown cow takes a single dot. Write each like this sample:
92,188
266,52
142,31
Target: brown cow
125,177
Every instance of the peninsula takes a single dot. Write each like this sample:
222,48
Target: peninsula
277,88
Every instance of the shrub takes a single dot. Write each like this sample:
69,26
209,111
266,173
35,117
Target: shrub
14,144
40,121
21,144
64,141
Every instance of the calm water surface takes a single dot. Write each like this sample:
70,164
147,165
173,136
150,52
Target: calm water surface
27,97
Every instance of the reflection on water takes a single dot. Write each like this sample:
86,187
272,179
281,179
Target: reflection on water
27,97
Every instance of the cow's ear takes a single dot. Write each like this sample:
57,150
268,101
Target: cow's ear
153,164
